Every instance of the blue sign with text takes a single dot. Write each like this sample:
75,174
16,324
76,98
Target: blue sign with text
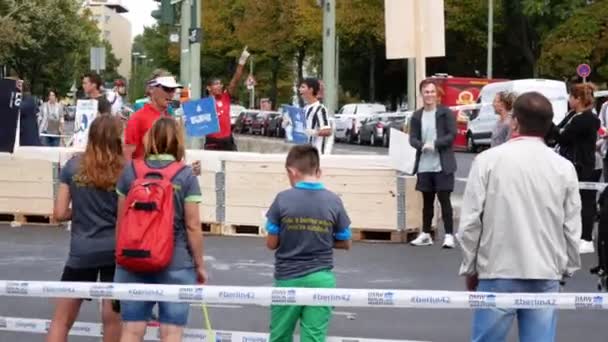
201,117
298,125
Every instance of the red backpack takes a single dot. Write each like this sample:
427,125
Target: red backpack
145,235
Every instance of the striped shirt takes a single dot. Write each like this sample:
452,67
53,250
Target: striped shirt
316,120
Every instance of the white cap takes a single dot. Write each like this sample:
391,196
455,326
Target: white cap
165,81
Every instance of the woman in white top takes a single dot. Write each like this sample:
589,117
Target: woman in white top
51,120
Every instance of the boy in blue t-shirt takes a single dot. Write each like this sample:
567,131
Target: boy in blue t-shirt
305,224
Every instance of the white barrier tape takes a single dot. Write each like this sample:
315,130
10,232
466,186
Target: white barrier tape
41,326
55,135
304,296
581,185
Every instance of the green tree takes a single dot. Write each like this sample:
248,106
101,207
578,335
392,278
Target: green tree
156,46
581,38
55,42
528,22
361,29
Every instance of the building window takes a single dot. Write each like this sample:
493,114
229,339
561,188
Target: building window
107,19
106,34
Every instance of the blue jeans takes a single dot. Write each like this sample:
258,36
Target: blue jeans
535,325
168,312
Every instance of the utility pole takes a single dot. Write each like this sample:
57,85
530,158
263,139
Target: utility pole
185,43
490,37
420,60
411,84
252,90
329,55
195,52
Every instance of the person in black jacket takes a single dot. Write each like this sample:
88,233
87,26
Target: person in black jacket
576,138
28,123
432,133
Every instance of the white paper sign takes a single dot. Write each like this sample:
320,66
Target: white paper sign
86,112
402,36
401,153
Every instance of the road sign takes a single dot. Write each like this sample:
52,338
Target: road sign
583,70
98,58
174,37
251,82
194,35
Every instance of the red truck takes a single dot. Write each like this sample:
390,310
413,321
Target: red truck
459,91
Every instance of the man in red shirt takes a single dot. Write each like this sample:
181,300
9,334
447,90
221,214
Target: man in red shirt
162,90
223,140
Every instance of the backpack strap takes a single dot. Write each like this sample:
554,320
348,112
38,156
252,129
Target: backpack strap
168,172
140,169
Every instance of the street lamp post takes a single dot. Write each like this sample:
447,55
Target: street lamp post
490,37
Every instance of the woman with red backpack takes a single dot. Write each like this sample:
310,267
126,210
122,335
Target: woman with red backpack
159,237
88,182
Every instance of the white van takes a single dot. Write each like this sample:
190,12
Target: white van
482,124
350,117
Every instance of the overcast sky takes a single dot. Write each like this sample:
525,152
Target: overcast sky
139,14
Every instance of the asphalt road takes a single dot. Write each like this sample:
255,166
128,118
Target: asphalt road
29,253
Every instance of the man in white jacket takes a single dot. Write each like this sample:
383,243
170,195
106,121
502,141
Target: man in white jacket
520,224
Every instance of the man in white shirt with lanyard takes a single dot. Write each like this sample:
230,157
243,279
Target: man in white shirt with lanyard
318,127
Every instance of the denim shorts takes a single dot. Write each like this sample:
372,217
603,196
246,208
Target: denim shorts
168,312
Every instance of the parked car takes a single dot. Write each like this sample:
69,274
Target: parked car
483,121
244,121
275,127
399,123
235,111
376,130
349,119
261,122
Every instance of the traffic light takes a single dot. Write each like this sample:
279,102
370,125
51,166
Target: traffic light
166,13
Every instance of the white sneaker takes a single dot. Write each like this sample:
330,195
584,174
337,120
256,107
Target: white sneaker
586,247
423,239
448,241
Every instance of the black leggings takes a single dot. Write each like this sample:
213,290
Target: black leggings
446,211
589,205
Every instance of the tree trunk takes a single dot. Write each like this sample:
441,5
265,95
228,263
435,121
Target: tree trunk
372,75
275,66
521,34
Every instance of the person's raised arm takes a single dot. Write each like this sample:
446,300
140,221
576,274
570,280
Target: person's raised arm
238,73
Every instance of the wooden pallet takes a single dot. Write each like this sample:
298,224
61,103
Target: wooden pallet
212,228
379,235
241,230
25,219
